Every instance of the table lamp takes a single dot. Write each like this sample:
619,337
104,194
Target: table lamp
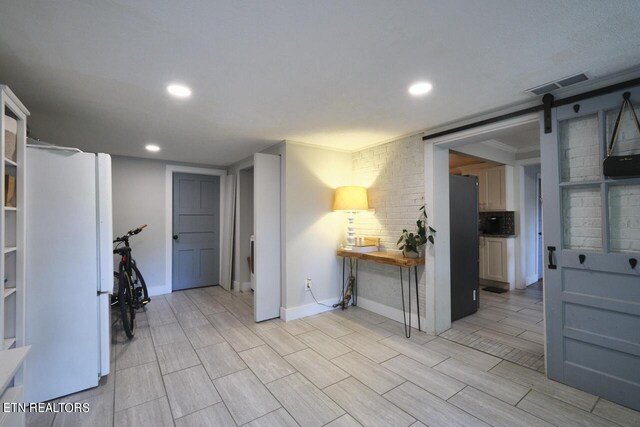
350,199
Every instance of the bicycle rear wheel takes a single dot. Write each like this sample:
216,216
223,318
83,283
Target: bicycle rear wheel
125,299
138,281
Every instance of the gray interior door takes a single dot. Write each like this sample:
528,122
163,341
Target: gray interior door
591,233
196,230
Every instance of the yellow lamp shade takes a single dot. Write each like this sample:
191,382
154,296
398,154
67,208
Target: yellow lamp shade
350,198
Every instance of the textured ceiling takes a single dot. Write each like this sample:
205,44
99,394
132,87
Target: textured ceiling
332,72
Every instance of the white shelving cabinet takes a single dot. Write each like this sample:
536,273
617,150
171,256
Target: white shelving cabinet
12,264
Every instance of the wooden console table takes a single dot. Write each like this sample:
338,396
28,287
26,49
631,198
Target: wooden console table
392,259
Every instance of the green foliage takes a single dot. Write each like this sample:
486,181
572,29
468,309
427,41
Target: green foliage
413,242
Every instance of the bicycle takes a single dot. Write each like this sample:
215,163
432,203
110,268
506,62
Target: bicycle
132,289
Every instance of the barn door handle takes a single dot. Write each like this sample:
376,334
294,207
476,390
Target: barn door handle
582,258
551,250
633,262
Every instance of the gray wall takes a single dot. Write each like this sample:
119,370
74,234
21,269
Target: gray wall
313,231
139,198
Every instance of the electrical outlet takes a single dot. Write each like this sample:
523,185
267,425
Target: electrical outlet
307,284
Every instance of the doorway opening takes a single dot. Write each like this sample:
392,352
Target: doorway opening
531,224
505,209
256,274
506,163
243,272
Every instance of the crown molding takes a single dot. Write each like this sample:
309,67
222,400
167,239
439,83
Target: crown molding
528,149
500,146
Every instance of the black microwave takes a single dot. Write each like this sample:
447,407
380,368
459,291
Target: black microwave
494,224
497,223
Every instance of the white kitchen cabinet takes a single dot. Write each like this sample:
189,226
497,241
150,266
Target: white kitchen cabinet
495,187
496,197
497,259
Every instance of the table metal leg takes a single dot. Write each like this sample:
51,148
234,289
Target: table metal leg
415,272
407,328
409,291
344,259
355,286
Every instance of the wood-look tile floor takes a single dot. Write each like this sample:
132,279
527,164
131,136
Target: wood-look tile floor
508,326
198,359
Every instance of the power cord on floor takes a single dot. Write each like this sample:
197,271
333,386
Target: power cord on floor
318,302
336,305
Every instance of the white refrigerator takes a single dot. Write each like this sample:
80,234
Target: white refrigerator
69,271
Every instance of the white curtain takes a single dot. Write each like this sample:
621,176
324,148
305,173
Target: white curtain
228,214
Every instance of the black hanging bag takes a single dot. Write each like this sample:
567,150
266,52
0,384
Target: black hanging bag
627,166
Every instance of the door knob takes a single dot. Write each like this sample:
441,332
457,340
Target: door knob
582,258
633,262
175,237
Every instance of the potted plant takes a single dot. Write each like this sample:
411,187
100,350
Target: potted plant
412,244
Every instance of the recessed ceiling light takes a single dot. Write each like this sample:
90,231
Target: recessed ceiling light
152,147
179,91
420,88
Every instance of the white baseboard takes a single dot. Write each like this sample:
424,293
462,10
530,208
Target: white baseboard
288,314
531,279
154,291
390,312
241,286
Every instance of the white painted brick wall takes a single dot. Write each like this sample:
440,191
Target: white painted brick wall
394,176
582,218
579,149
624,218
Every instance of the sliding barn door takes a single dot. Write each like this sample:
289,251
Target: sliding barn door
591,238
266,217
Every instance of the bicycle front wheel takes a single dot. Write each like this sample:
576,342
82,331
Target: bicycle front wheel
125,299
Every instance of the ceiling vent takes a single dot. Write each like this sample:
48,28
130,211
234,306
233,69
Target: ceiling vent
561,83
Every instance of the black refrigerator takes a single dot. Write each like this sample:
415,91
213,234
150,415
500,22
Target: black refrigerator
463,219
